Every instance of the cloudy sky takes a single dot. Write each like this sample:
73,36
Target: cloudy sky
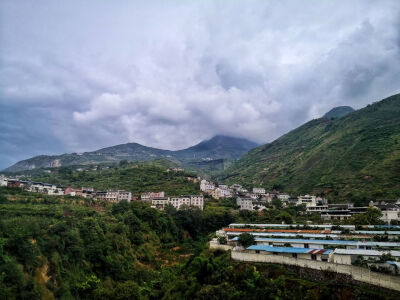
80,75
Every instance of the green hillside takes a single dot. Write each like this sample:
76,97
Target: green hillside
134,177
356,157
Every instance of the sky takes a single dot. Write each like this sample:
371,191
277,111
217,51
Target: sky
81,75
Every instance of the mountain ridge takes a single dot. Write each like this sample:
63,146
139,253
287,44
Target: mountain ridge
356,156
338,112
216,148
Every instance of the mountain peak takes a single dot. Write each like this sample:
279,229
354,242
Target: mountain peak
338,112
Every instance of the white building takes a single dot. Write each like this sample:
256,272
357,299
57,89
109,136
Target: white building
389,215
3,181
221,193
348,256
250,204
188,200
206,186
258,190
283,197
150,195
160,202
114,196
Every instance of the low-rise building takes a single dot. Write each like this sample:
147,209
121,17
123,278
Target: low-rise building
349,256
302,253
258,190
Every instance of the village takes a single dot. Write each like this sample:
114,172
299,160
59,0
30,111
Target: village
258,199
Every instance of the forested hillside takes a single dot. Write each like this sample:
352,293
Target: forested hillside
355,157
134,177
71,248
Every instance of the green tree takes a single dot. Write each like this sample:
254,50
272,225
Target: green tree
222,240
246,240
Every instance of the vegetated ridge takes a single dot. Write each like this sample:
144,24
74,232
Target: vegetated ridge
338,112
355,157
216,148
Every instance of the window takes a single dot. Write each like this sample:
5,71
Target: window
294,255
258,251
313,257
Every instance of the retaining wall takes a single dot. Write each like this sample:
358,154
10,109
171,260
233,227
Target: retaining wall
357,273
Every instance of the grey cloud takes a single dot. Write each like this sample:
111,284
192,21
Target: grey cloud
78,76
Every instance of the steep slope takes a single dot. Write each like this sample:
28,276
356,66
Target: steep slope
219,147
338,112
356,157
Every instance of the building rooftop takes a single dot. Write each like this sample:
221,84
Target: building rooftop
366,252
327,242
289,249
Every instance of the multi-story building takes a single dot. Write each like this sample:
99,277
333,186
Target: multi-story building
114,196
283,197
206,186
390,212
150,195
72,192
188,200
250,204
221,193
160,202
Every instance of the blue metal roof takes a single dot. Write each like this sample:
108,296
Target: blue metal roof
288,249
396,263
325,242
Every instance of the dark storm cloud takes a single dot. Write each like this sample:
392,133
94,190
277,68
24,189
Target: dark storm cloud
80,75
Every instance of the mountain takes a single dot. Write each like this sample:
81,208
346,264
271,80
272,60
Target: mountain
355,157
338,112
217,148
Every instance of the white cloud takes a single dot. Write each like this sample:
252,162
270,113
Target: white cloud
169,74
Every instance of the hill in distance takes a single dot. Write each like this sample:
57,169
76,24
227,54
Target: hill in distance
355,157
338,112
217,148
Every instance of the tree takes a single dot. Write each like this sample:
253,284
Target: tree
246,240
123,163
371,217
222,240
277,203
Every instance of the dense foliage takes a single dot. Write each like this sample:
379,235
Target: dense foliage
356,157
72,248
134,177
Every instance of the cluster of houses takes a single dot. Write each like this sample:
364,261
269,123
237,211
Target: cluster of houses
225,191
329,212
57,190
159,201
321,242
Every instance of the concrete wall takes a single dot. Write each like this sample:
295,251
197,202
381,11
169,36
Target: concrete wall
357,273
216,245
